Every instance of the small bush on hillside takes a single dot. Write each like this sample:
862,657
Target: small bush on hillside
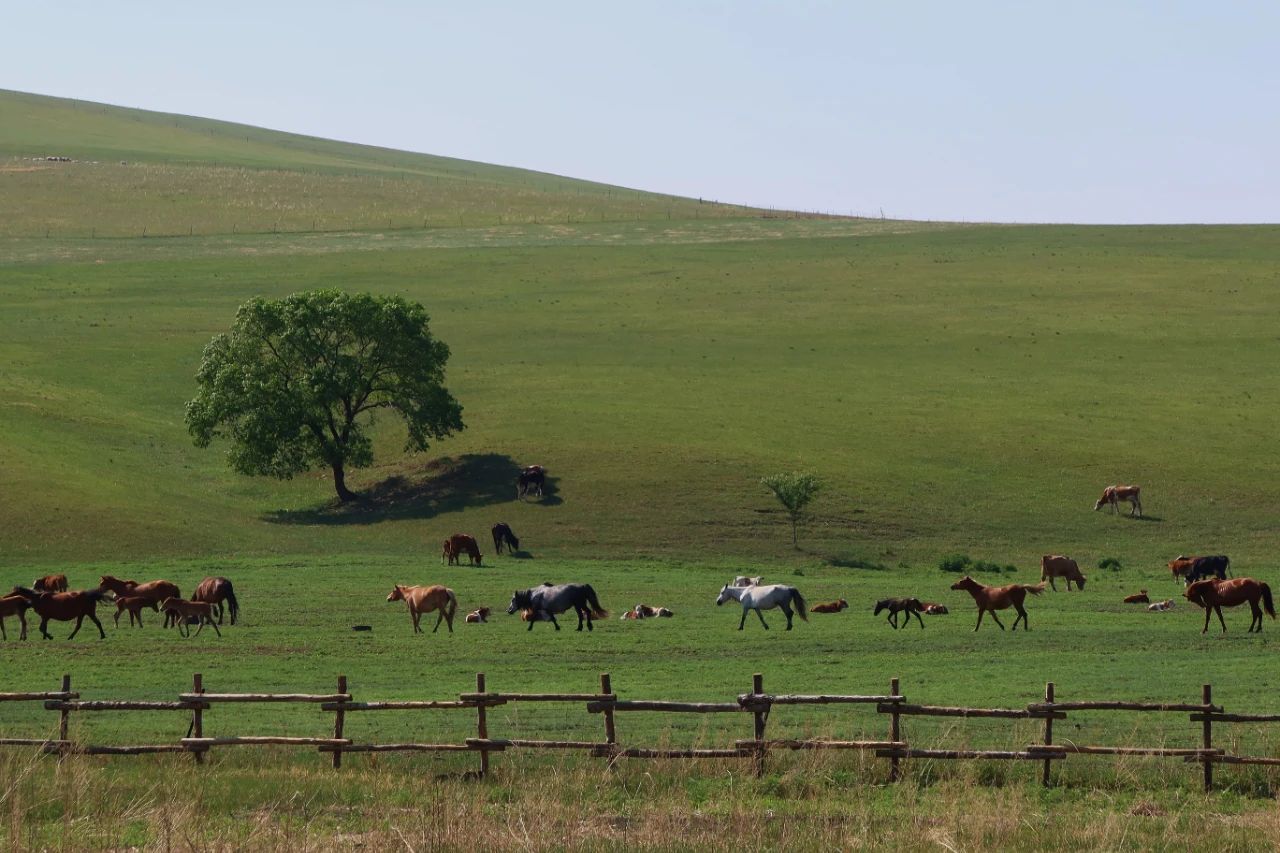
1110,563
964,564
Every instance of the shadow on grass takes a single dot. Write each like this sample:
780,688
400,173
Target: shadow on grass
1154,518
441,486
848,561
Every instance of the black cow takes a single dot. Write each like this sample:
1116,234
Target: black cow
1217,566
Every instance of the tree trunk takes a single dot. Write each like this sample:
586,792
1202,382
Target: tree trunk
794,544
340,484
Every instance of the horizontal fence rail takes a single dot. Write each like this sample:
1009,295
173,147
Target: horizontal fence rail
606,704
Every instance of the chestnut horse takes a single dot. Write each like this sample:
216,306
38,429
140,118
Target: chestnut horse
50,583
63,607
179,612
14,605
995,598
156,591
133,604
215,591
424,599
1213,595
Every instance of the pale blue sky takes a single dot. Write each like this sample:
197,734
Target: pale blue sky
1081,112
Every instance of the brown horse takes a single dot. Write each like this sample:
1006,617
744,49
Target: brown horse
63,607
179,612
215,591
134,605
424,599
459,544
1213,595
907,606
14,605
830,606
50,583
995,598
156,591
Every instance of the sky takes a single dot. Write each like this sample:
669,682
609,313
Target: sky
1109,112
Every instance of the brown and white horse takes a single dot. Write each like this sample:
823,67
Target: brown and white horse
215,591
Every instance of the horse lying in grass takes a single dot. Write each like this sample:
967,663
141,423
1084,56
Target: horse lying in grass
1213,595
830,606
760,598
546,601
181,612
906,606
63,607
425,599
134,605
479,616
995,598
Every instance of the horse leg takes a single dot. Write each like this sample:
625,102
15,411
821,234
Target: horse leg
761,615
439,619
981,613
214,626
997,618
3,633
1022,617
79,621
554,622
22,620
787,611
118,619
743,620
578,611
1220,619
918,619
1054,586
1208,611
417,617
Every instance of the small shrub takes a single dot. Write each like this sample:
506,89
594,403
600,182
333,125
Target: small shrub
798,573
1110,563
957,563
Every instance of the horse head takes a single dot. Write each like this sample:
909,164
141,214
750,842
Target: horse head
397,594
521,599
880,605
966,583
726,593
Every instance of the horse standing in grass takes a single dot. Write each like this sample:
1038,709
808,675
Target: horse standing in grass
215,591
63,607
542,603
14,605
424,599
134,605
906,606
760,598
503,535
1213,595
179,612
995,598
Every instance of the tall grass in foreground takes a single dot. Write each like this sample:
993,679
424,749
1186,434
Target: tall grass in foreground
811,801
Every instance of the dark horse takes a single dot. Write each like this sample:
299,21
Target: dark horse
215,591
895,606
546,601
502,535
63,606
531,480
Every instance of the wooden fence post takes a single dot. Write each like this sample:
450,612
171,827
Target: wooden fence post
1207,730
339,718
64,718
895,728
1048,732
197,716
482,727
757,687
610,733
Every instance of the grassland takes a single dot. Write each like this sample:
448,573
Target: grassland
959,388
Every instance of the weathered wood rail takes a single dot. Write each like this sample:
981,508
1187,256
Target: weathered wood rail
757,705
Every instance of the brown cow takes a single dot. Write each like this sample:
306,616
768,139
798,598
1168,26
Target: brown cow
1112,496
829,606
1140,598
1057,566
459,544
1181,565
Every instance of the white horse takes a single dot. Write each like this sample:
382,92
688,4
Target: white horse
743,580
759,598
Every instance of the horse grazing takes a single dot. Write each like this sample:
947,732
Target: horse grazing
1057,566
180,612
1213,595
133,604
14,605
743,580
63,607
830,606
1139,598
760,598
502,535
478,616
544,602
424,599
50,583
909,606
215,591
1112,496
530,481
995,598
460,543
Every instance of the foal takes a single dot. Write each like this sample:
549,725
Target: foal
180,610
14,605
134,604
908,606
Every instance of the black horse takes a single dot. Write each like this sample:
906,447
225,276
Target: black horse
1217,566
907,606
531,480
502,534
545,601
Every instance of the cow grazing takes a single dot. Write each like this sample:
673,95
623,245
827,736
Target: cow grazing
502,535
1113,496
743,580
830,606
477,617
1217,566
1140,598
1057,566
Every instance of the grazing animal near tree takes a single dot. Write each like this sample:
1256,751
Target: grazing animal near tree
1161,606
459,544
63,607
931,609
14,605
50,583
908,606
1139,598
743,580
1213,595
1057,566
1112,496
215,591
180,612
478,616
502,535
830,606
531,480
760,598
424,599
546,601
133,604
995,598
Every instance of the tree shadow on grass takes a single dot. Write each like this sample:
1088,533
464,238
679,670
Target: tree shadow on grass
846,561
441,486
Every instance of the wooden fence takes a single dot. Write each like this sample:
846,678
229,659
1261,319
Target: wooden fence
757,704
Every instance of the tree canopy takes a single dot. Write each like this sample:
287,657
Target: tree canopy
794,491
295,382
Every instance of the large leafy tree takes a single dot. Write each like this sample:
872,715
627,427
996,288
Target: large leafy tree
295,382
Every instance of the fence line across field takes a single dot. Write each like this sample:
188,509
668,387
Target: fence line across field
757,704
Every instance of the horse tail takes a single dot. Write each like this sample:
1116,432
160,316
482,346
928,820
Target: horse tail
452,606
798,600
1266,600
232,605
597,612
1034,588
